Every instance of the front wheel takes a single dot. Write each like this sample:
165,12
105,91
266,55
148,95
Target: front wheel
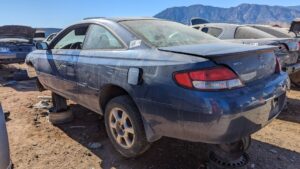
124,127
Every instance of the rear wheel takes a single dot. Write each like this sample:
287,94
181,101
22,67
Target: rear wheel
124,127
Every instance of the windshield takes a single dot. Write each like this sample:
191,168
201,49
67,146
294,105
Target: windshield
275,32
166,33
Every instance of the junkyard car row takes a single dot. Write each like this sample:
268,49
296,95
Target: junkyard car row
153,78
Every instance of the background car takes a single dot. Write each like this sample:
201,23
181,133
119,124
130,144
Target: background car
5,162
153,78
15,43
285,33
50,37
287,50
39,36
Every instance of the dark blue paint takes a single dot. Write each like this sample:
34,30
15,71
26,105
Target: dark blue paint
167,109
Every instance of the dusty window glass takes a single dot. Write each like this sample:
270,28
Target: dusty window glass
275,32
100,38
212,31
245,32
166,33
73,40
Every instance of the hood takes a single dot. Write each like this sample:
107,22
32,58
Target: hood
14,31
215,50
295,26
291,43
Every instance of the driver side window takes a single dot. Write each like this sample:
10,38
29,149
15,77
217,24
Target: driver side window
73,39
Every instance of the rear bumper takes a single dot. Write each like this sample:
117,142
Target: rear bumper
7,58
216,118
293,68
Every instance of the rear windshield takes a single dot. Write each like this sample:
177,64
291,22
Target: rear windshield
246,32
275,32
166,33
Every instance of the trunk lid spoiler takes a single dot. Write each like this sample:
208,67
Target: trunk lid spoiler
215,50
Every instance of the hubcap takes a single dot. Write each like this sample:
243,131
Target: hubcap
121,128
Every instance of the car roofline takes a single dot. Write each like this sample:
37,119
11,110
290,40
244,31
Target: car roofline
120,19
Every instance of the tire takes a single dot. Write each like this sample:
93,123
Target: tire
295,79
59,103
61,117
124,127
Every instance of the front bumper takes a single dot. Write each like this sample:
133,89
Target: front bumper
4,145
10,166
216,117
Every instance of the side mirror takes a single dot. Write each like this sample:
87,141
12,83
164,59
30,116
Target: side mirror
41,46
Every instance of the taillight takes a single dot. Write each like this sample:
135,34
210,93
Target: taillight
299,45
209,79
278,66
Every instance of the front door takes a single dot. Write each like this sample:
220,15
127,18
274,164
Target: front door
61,60
99,46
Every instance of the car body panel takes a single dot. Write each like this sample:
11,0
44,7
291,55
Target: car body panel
166,108
5,162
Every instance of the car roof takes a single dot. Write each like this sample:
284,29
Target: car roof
219,24
120,19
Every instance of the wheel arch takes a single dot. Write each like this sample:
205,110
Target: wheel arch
111,91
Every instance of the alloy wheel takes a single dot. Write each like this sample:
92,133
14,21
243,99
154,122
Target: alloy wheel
121,128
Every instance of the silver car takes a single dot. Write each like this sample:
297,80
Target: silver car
5,162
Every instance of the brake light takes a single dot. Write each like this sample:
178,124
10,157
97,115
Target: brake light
209,79
278,66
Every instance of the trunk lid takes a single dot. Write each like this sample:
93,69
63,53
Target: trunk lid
249,62
14,31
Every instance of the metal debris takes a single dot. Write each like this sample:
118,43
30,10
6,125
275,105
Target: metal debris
77,127
95,145
45,98
273,151
42,105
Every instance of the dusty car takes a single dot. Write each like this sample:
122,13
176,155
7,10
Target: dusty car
5,162
50,37
153,78
285,33
287,50
39,36
15,43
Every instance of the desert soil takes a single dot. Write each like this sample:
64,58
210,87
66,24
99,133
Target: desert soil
37,144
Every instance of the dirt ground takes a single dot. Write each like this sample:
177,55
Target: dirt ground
36,144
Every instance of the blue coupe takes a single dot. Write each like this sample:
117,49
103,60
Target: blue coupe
154,78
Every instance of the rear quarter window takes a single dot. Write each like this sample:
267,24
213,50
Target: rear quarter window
216,32
245,32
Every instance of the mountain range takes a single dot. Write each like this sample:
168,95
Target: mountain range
244,13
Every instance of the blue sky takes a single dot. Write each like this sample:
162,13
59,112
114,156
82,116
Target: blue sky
60,13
